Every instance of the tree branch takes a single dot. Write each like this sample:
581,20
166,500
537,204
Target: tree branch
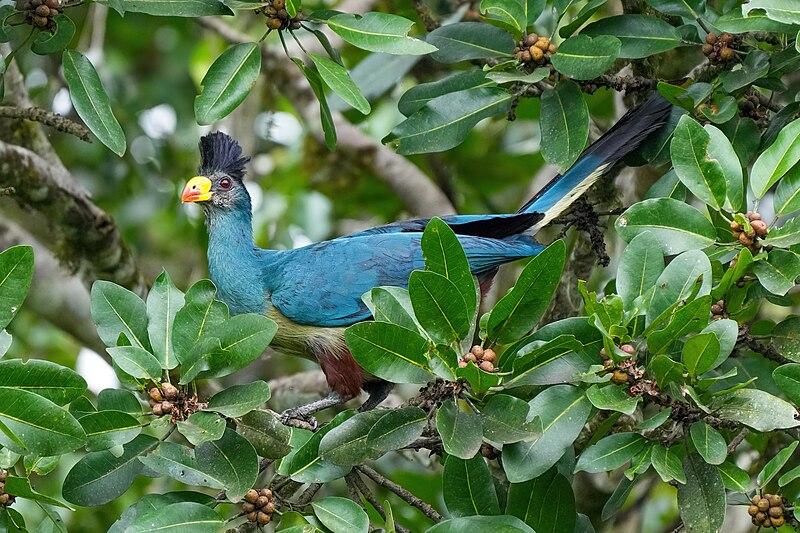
409,498
54,120
415,189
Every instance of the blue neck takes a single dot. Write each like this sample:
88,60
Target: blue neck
235,263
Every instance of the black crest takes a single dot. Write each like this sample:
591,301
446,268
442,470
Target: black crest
219,152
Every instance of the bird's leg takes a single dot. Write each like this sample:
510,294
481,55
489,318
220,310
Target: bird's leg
301,416
378,391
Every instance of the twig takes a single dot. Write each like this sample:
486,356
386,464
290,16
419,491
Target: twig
406,496
737,440
747,340
54,120
308,494
425,15
626,84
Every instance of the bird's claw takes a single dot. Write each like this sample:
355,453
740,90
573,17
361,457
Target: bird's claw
296,418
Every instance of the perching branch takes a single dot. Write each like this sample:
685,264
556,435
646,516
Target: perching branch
415,189
405,495
54,120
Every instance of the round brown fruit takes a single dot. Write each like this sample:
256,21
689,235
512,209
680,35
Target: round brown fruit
763,505
274,23
4,499
536,53
619,376
775,500
778,521
707,49
157,410
155,394
462,363
266,492
735,226
477,350
767,523
170,391
530,39
166,406
263,518
526,56
711,38
41,21
775,512
248,507
251,496
252,516
752,510
486,366
726,54
744,239
262,501
489,355
628,349
43,11
760,227
760,517
726,38
279,4
552,48
470,357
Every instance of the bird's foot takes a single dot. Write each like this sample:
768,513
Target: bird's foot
297,417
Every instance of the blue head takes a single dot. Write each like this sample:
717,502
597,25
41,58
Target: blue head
218,187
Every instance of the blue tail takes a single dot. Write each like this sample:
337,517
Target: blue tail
598,159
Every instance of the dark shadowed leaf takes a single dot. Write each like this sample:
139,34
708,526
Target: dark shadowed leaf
91,101
549,491
21,488
691,9
482,524
460,430
379,32
701,500
346,444
469,40
468,487
326,117
100,477
304,463
564,124
397,428
445,121
268,436
227,82
50,43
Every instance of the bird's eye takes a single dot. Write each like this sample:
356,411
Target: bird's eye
225,183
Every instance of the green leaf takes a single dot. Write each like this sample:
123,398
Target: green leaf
504,419
734,21
100,477
695,166
789,476
460,430
641,264
444,255
524,305
200,313
397,428
177,8
690,318
91,101
392,305
563,410
163,303
115,311
512,76
379,32
709,443
16,272
119,400
388,351
778,273
229,463
610,452
722,150
691,9
5,33
242,339
180,516
785,236
468,487
106,429
445,121
665,370
439,306
676,225
786,338
53,42
775,465
268,436
586,12
58,384
21,488
550,491
787,195
227,82
341,514
667,463
784,11
564,124
701,500
201,427
733,477
777,160
345,445
469,40
30,423
417,96
758,409
136,362
481,524
613,397
304,463
699,354
584,58
238,400
641,35
337,78
326,117
679,282
787,378
509,14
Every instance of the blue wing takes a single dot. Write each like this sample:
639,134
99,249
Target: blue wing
322,284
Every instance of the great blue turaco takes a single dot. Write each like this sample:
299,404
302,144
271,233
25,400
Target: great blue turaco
314,292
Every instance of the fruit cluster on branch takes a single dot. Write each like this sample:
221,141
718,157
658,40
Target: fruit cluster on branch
169,400
749,233
40,13
278,17
720,48
767,510
535,49
484,359
259,505
6,499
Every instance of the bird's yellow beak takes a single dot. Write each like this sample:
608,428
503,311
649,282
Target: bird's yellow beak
197,189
